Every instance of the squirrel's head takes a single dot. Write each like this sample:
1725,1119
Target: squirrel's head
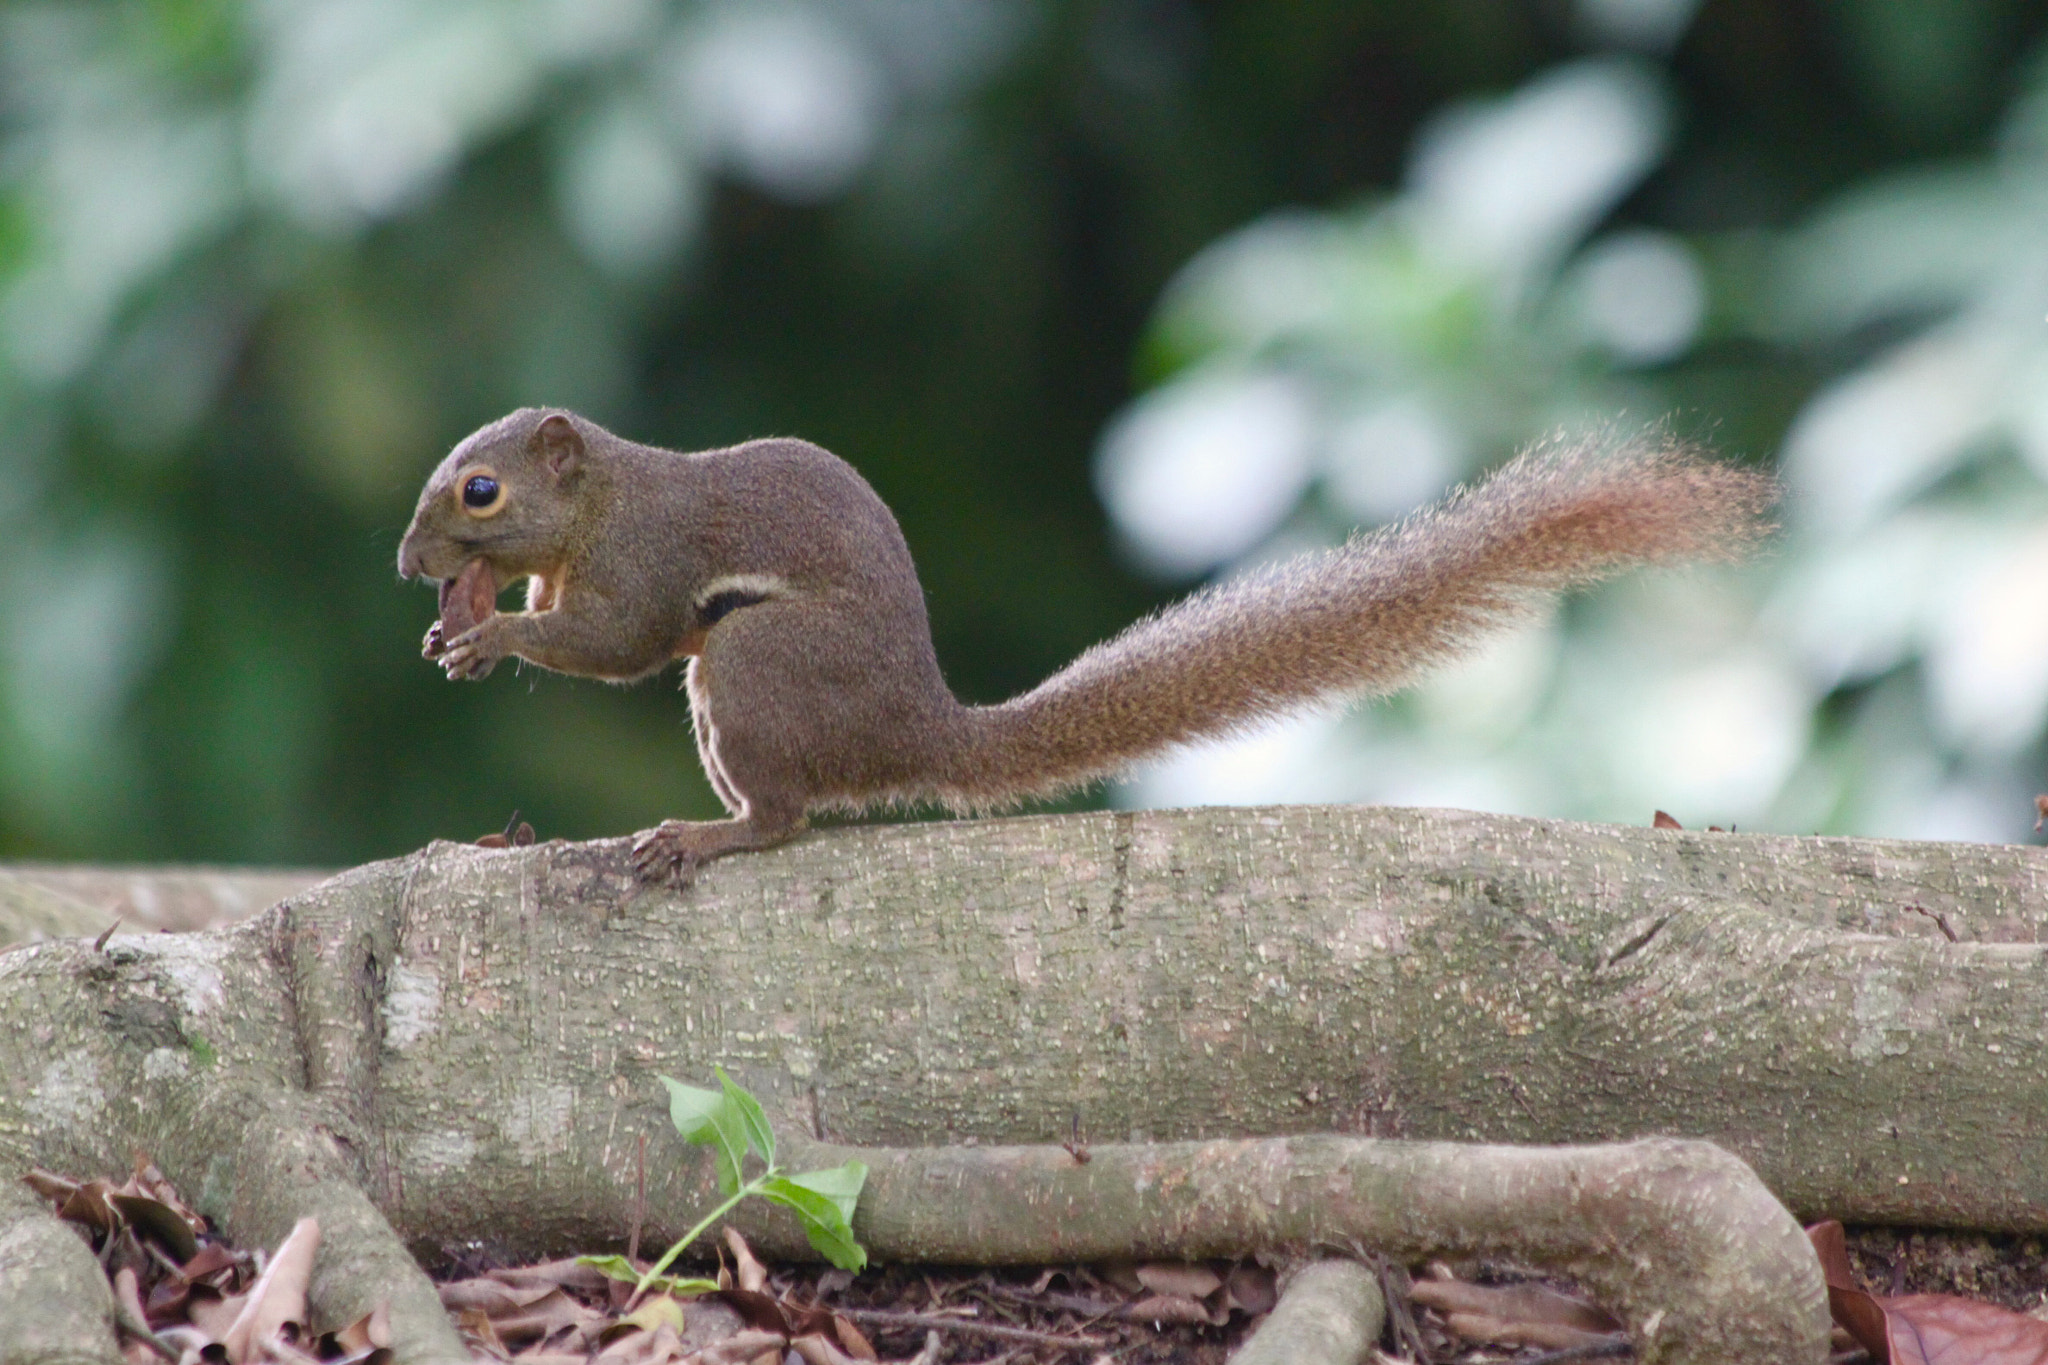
505,494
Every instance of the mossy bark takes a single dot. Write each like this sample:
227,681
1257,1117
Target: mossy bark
478,1033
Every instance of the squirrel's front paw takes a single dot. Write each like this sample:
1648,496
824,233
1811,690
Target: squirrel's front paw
668,853
433,646
469,655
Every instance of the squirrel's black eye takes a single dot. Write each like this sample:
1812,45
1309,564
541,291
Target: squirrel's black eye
479,491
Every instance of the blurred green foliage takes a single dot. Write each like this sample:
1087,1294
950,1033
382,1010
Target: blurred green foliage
263,261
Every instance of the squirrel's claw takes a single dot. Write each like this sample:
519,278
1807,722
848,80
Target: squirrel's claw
667,854
466,656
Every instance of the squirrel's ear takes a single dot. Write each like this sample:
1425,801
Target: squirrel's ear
561,445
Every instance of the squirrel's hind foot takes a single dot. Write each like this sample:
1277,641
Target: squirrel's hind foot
672,851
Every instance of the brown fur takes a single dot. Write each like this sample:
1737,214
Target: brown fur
812,679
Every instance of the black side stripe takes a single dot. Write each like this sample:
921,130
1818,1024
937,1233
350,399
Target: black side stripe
720,605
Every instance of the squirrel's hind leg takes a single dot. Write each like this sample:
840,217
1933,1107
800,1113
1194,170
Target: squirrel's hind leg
674,850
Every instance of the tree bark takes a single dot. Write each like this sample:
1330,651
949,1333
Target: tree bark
473,1036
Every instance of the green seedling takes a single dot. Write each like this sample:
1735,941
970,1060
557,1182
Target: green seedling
730,1122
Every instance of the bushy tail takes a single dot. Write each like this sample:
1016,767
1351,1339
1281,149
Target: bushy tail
1362,619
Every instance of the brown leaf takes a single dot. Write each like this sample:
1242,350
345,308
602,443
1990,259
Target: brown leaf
568,1273
1924,1329
1660,820
747,1273
1554,1336
1944,1329
818,1349
552,1313
279,1295
1123,1275
1251,1289
748,1345
50,1185
371,1329
2040,812
492,1295
1163,1308
133,1322
216,1265
653,1314
756,1310
159,1222
91,1205
475,1326
852,1340
212,1314
1188,1281
1514,1303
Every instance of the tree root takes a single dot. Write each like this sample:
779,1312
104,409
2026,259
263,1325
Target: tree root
1329,1314
55,1307
468,1040
289,1160
1677,1238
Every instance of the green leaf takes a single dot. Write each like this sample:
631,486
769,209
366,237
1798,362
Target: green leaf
823,1218
759,1136
687,1288
619,1268
616,1267
842,1185
709,1118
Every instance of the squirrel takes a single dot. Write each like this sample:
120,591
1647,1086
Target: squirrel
783,579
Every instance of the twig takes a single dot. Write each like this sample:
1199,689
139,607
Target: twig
1611,1349
1071,1303
1940,920
639,1188
884,1317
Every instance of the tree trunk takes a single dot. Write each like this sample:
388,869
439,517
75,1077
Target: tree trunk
474,1035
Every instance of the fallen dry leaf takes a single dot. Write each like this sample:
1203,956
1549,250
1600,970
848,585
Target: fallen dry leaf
747,1272
1936,1329
368,1332
547,1319
744,1346
1172,1308
653,1314
475,1326
756,1310
1659,820
279,1295
1176,1278
1251,1289
160,1223
661,1346
493,1295
1924,1329
1515,1314
852,1340
214,1314
818,1349
568,1273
